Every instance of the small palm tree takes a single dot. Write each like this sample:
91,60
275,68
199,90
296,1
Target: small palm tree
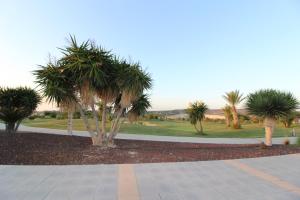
271,105
228,115
196,113
234,98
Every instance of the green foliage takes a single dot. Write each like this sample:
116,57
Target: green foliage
140,106
227,112
55,85
196,112
243,118
233,97
271,103
288,119
76,115
16,104
62,115
50,114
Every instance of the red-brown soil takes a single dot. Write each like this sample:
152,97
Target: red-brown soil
47,149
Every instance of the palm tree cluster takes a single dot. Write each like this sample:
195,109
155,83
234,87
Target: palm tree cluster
88,75
196,113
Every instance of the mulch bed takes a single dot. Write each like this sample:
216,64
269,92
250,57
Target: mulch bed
46,149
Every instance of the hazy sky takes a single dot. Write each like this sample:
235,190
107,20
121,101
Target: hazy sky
193,49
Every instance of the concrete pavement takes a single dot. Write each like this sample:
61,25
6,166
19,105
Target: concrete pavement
268,178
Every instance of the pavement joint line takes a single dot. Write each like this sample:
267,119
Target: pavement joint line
127,183
264,176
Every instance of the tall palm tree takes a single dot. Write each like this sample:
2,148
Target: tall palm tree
270,105
228,115
196,113
234,98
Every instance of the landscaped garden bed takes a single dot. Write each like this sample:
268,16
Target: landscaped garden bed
47,149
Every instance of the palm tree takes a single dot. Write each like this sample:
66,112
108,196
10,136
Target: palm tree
233,98
132,81
86,64
196,113
86,75
228,115
271,105
57,88
110,90
139,107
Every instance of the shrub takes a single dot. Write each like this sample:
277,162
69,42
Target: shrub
32,117
62,115
50,114
16,104
76,115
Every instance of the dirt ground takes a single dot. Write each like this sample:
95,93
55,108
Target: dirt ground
46,149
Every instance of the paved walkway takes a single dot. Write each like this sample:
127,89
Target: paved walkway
259,178
279,140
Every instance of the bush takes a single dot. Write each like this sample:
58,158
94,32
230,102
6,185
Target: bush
62,115
50,114
32,117
76,115
243,118
16,104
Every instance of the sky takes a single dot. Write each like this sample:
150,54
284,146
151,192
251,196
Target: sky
194,50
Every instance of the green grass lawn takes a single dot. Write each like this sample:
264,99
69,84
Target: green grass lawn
173,128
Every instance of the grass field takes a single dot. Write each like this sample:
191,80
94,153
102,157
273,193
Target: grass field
174,128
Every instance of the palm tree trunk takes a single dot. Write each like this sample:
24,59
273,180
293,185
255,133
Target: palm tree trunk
236,123
98,140
114,127
104,119
70,122
94,137
17,125
197,129
10,127
269,128
96,119
227,121
201,127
